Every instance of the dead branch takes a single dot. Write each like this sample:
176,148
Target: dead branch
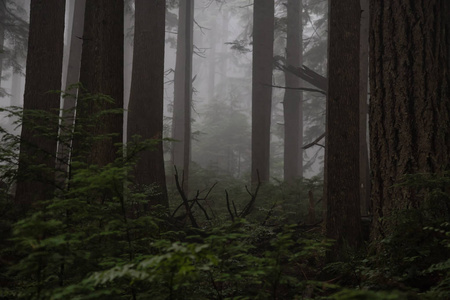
228,206
185,200
248,208
304,73
315,142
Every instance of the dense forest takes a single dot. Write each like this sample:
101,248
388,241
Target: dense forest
224,149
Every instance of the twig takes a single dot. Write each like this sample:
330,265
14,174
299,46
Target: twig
247,209
185,200
228,206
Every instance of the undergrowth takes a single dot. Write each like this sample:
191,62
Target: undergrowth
95,240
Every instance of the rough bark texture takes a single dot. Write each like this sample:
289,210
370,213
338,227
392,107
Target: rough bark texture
364,170
45,52
342,134
72,77
183,90
292,103
102,72
145,110
410,102
263,28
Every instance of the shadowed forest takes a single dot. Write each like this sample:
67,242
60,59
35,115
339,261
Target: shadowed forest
224,149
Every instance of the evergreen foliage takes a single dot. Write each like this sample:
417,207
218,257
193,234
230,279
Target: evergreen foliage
97,239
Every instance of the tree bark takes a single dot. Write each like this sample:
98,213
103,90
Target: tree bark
101,72
183,91
263,29
145,110
36,171
343,221
364,170
292,103
410,102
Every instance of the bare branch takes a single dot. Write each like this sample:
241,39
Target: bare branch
315,142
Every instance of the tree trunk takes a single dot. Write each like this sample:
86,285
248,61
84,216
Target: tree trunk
101,72
263,29
410,101
129,18
292,103
16,89
72,77
343,221
36,171
211,88
364,170
145,110
2,39
183,90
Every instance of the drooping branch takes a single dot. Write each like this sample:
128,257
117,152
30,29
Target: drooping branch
304,73
315,142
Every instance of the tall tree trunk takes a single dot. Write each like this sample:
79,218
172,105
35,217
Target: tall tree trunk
263,29
410,101
101,72
145,110
211,88
343,221
292,103
183,90
128,59
72,77
2,37
16,89
224,52
364,170
45,52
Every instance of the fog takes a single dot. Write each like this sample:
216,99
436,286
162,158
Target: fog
222,68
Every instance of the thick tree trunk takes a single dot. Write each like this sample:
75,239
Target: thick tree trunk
183,90
45,52
292,103
263,28
343,221
364,170
101,72
145,110
410,101
72,77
